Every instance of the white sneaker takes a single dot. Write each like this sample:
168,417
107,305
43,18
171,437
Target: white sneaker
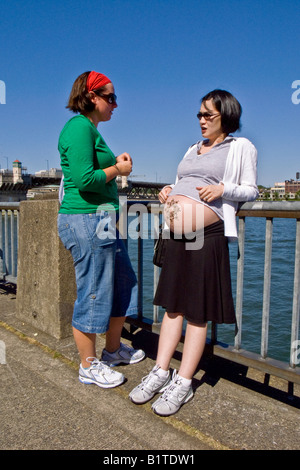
175,395
150,385
100,374
125,354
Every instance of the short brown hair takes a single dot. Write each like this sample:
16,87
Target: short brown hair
229,108
79,99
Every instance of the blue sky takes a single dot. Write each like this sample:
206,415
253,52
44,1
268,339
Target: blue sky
162,57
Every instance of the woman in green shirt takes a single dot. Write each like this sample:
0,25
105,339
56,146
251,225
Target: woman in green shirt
106,283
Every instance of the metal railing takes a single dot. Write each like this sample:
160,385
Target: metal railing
290,371
9,229
268,210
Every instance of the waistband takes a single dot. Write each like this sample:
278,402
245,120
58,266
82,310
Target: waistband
213,230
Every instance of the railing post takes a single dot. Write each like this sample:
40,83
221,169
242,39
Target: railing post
296,299
6,266
267,288
46,279
140,276
12,243
155,268
239,282
1,247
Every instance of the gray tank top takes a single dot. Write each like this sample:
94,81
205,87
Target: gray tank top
201,170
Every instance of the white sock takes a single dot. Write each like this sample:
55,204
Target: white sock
161,372
185,382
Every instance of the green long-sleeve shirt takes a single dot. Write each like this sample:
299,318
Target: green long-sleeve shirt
84,155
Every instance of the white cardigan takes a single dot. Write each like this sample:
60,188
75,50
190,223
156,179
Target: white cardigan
239,181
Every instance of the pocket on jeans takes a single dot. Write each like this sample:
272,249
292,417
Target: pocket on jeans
69,240
104,231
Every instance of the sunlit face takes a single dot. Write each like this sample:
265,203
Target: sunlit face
103,108
210,122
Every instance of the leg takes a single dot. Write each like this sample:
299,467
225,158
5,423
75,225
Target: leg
181,391
86,345
113,335
125,296
194,344
169,338
159,377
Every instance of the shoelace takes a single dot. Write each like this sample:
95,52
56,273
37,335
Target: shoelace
147,379
98,365
165,396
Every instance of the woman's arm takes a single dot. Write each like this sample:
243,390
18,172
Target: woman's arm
246,188
79,145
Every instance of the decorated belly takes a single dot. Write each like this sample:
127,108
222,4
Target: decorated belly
184,215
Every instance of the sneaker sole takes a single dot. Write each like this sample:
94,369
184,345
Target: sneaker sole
150,398
188,398
87,381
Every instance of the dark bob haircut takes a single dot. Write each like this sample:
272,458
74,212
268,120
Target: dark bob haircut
79,99
229,108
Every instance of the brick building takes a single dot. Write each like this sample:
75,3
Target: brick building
292,186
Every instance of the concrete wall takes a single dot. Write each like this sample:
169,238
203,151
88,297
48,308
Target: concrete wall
46,283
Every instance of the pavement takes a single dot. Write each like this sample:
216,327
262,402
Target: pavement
43,405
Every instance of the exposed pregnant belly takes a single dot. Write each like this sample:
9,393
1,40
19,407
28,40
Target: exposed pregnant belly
184,215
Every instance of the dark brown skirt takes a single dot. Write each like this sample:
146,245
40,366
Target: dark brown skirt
197,283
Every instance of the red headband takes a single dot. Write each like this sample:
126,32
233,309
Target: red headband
96,80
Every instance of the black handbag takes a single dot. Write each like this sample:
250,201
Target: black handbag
160,249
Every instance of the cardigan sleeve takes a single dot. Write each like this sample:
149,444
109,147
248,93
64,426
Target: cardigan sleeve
241,185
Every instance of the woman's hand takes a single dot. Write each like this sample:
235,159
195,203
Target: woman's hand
124,157
163,195
211,192
124,164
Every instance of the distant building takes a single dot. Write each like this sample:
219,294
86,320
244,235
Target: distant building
42,191
52,173
278,191
292,186
6,176
122,181
17,172
14,183
17,175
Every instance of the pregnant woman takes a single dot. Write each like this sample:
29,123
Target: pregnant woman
195,284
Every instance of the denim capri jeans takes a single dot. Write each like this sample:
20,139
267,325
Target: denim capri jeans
106,282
